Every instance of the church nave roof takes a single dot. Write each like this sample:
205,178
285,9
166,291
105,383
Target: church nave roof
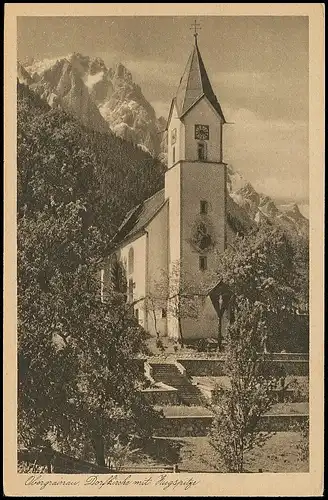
138,218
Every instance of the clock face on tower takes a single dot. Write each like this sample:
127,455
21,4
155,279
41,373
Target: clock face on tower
202,132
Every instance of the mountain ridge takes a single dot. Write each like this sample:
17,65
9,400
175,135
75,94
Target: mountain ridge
119,100
107,99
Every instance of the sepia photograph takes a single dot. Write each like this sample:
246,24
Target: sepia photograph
163,248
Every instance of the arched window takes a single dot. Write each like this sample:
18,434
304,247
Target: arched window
131,261
201,151
173,155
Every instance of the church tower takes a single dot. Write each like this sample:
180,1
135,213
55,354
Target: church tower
195,180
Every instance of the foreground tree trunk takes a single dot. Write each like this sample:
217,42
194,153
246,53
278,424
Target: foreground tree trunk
155,318
180,331
99,449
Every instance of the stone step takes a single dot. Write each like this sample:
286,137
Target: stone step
168,371
177,380
169,374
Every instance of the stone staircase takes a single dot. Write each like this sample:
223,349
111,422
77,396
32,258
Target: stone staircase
168,373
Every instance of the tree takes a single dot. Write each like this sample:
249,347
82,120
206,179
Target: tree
69,161
239,407
175,291
77,384
270,267
118,276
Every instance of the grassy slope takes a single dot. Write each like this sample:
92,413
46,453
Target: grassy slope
194,454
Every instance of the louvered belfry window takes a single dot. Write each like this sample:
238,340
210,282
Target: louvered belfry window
201,151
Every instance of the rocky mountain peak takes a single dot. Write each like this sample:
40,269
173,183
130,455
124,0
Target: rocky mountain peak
120,74
79,62
96,65
248,190
292,210
267,206
61,84
22,75
117,101
261,207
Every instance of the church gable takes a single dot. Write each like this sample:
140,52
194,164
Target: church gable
203,119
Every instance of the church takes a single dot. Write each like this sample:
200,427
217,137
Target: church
170,244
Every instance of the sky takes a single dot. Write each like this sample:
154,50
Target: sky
258,67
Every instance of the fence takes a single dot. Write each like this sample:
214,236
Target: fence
151,469
40,461
54,462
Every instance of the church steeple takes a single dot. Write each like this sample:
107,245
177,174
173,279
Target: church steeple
195,181
195,84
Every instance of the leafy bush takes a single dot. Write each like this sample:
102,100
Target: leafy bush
159,344
121,452
31,468
205,345
239,407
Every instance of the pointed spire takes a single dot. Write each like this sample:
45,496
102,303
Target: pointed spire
194,84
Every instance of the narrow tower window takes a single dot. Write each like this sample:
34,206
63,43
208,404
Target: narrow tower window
131,261
201,151
203,263
203,207
173,155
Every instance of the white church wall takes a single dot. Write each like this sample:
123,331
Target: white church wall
179,145
157,231
138,275
202,181
204,114
172,192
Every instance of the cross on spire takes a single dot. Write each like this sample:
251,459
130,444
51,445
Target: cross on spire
195,26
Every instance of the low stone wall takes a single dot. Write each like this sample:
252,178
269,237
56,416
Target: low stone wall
200,426
161,397
184,426
288,356
216,367
280,396
203,367
283,422
297,367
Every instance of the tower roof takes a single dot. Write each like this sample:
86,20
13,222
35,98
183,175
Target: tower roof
194,84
